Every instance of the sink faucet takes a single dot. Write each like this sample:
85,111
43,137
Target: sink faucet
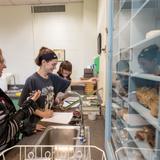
82,127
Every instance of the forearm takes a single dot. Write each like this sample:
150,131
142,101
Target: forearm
26,110
92,80
44,114
77,82
39,113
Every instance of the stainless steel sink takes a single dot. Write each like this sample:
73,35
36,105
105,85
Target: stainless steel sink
62,135
60,141
55,135
56,143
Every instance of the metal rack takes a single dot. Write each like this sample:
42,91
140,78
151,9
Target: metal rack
52,152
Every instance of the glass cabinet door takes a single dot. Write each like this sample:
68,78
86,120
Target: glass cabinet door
136,80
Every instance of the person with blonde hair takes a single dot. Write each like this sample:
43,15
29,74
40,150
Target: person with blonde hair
11,121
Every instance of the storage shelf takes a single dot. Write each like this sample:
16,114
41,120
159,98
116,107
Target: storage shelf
145,41
117,132
134,21
116,106
123,73
140,9
139,44
135,120
122,51
124,123
121,97
123,28
117,100
145,113
140,144
123,3
115,143
116,54
146,76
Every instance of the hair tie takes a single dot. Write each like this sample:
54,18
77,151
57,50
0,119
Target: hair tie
48,56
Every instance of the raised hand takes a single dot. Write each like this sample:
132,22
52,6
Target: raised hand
93,80
36,95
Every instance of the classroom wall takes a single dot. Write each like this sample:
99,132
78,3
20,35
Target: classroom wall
102,25
23,33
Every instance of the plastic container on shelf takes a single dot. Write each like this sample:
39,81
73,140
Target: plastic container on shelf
130,153
152,33
92,116
89,88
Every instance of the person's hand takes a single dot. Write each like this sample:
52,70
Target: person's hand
60,97
93,80
47,113
39,127
58,101
36,95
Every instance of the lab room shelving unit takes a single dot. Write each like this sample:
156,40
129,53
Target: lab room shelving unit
135,105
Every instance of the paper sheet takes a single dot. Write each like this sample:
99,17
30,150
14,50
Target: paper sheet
72,99
59,117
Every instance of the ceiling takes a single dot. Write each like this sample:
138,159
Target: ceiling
35,2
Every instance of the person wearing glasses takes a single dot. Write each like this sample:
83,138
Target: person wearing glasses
12,121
